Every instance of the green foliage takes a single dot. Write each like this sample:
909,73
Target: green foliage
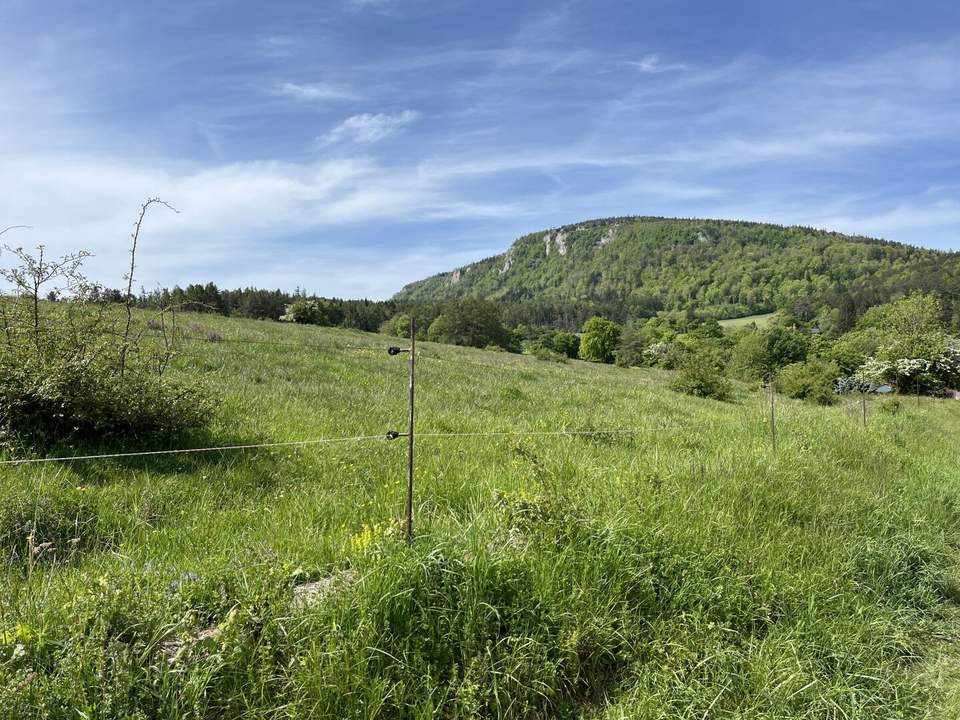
599,340
474,323
567,344
541,352
313,312
632,348
76,371
397,326
259,304
629,268
545,343
702,375
812,380
61,396
852,349
907,323
761,354
910,346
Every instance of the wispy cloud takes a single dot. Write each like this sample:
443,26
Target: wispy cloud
547,115
276,46
653,64
313,92
379,6
229,212
368,128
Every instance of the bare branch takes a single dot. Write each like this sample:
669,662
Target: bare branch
135,236
15,227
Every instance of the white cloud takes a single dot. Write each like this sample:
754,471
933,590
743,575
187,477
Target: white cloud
368,128
378,6
313,92
276,46
232,218
652,64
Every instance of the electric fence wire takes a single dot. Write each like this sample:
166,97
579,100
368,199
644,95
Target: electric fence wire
319,441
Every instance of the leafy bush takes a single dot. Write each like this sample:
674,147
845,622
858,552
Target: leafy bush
567,344
702,375
891,406
544,353
55,397
760,355
811,380
853,384
631,352
913,350
76,370
474,323
599,340
317,311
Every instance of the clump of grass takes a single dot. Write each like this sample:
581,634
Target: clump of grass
50,527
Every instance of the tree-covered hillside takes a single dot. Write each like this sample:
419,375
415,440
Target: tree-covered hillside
636,266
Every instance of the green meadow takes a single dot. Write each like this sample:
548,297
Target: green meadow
668,564
761,321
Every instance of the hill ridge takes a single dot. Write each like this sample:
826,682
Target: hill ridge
640,265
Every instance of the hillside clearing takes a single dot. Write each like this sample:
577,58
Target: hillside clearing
678,571
761,321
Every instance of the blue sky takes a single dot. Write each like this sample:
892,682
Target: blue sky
351,146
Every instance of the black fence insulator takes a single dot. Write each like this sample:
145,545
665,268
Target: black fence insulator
395,350
393,435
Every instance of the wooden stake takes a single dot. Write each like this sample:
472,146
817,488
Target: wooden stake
413,360
773,418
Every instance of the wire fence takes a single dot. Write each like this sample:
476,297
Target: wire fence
358,438
319,441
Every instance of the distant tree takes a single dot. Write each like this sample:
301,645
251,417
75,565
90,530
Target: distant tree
566,344
397,326
317,311
599,340
762,354
631,350
911,327
475,323
913,350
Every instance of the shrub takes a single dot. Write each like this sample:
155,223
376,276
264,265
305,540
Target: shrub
632,349
52,398
599,340
79,369
313,312
812,380
397,326
474,323
567,344
853,384
544,353
761,354
701,375
891,406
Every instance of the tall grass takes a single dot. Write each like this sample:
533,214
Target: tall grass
684,571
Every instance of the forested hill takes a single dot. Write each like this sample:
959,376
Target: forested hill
636,266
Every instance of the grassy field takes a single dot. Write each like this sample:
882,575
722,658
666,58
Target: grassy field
761,321
679,571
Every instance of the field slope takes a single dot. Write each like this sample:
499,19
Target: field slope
679,570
